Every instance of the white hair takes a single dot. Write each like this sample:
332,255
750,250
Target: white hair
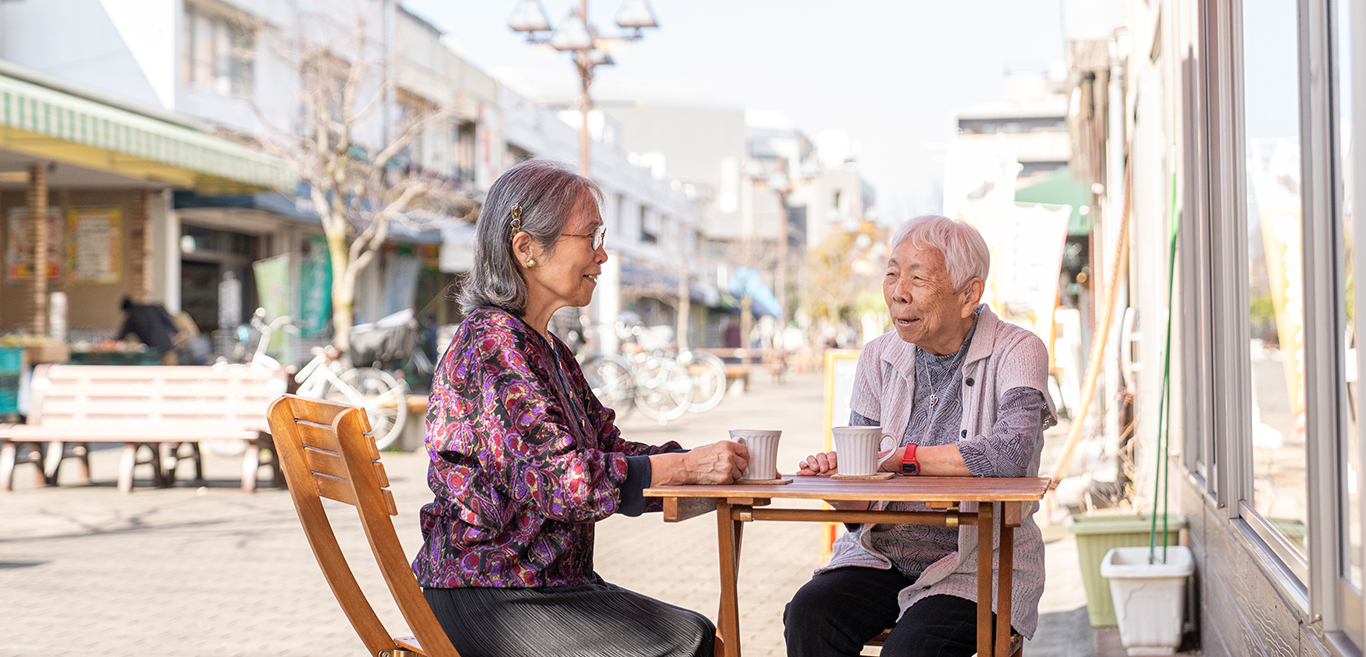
966,255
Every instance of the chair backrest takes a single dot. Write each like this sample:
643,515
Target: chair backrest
327,450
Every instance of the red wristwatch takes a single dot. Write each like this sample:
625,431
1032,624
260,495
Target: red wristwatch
909,466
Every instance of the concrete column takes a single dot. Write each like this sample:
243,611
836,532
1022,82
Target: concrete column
37,214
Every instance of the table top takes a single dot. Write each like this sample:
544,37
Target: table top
896,489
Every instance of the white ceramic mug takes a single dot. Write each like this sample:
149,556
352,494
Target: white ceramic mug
763,452
856,449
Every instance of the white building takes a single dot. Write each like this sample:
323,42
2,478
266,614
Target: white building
223,65
652,232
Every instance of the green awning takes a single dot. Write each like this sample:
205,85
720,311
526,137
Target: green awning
47,123
1062,189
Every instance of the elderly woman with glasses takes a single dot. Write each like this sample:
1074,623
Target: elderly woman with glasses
524,459
966,394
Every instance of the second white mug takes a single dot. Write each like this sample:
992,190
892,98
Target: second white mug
856,449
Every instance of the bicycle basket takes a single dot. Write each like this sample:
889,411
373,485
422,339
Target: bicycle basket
382,345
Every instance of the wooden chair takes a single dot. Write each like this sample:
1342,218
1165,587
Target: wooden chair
327,450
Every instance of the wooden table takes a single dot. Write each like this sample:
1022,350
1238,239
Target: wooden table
737,504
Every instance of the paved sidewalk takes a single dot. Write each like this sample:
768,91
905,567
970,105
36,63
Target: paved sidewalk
210,571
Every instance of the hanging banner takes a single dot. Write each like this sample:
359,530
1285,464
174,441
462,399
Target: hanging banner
1026,266
19,250
400,283
979,188
94,255
315,286
272,291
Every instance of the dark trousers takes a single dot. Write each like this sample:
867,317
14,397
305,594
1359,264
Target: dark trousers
592,620
837,612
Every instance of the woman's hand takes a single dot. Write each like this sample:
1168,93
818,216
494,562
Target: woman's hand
718,463
823,463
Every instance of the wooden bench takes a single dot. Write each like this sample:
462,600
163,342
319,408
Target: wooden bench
164,410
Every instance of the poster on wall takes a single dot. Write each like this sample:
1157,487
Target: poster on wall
18,249
94,250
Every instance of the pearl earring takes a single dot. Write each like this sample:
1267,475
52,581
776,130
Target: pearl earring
530,262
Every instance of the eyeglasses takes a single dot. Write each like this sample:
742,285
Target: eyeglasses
597,236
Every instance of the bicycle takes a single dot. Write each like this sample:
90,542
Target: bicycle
332,377
656,384
709,379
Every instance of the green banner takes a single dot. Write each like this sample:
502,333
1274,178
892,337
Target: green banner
315,286
272,289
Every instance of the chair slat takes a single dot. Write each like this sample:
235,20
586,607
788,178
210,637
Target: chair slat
335,489
330,463
321,437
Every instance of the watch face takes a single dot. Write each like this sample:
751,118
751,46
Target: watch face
910,469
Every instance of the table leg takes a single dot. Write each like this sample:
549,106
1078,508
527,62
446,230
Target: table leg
728,538
1003,589
985,525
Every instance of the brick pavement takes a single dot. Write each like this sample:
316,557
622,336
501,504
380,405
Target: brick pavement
210,571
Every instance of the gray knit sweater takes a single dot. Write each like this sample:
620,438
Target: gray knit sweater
1001,358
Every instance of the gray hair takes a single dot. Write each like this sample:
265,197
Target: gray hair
547,194
966,255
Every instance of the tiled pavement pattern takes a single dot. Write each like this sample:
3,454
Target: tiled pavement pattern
212,572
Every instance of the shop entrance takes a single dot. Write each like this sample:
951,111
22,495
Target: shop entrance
207,256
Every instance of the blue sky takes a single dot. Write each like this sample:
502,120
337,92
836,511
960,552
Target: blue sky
891,73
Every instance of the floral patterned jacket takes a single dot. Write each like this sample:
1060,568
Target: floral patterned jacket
524,461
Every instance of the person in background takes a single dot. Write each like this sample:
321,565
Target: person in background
153,326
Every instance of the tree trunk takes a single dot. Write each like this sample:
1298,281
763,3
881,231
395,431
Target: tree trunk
343,292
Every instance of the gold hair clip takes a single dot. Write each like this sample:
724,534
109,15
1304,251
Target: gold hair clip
516,220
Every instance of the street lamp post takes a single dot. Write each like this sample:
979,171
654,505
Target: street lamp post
577,35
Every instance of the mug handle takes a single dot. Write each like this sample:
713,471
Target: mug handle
741,440
887,439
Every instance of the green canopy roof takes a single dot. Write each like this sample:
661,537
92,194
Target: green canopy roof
1062,189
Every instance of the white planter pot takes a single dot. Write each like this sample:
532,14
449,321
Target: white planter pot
1149,599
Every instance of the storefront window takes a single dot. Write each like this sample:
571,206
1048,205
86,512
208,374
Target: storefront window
1345,205
1271,124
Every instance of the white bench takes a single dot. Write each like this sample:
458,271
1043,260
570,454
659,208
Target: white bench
161,409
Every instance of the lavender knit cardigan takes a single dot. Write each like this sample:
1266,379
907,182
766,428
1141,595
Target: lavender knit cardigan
1002,356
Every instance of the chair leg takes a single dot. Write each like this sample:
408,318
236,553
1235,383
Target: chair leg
7,454
53,462
81,452
169,455
198,462
158,475
127,460
251,463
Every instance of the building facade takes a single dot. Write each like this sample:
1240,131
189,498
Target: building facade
1237,127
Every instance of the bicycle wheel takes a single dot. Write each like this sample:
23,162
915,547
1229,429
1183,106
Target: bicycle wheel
665,389
612,383
708,379
381,395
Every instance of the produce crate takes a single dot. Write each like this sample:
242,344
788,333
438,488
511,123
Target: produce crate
1095,536
11,368
115,358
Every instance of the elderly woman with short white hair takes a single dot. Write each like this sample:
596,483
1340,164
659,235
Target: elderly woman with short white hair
967,394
